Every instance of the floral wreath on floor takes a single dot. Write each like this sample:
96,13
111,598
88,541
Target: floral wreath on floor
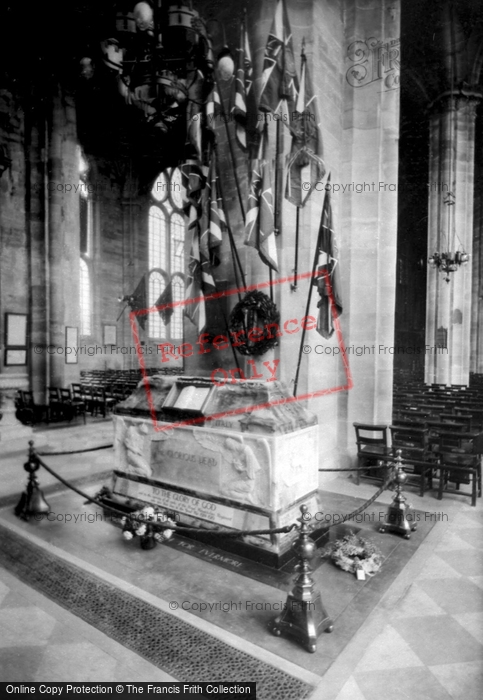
132,527
352,553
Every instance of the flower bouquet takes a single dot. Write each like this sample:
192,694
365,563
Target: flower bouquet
141,524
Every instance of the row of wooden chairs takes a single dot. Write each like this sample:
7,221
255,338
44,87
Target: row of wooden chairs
452,454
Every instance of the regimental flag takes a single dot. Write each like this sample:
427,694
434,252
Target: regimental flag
194,179
213,222
243,84
279,79
327,265
213,107
259,224
305,166
138,301
196,310
166,297
207,223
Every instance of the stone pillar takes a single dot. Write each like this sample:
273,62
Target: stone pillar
369,209
64,247
476,358
450,229
13,434
36,192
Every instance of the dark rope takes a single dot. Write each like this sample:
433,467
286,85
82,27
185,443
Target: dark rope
162,526
74,452
364,505
187,528
351,469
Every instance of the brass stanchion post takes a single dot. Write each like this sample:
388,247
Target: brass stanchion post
396,516
304,616
32,501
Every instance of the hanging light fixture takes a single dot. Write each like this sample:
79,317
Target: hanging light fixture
153,52
449,261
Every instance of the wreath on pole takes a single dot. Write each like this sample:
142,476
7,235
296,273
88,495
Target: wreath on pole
250,320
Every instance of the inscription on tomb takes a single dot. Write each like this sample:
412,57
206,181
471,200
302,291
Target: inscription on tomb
190,505
182,460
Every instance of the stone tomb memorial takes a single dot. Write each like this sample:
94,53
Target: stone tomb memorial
209,455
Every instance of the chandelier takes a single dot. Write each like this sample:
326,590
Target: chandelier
160,56
447,262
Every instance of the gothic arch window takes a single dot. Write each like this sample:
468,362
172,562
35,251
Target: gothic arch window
166,234
85,263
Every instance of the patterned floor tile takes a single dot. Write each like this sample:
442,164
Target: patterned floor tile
472,535
473,623
463,681
416,603
19,664
414,683
468,562
388,650
13,600
436,567
452,540
351,691
463,521
454,595
28,626
439,639
90,663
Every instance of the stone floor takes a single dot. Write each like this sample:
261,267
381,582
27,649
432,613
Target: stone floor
423,636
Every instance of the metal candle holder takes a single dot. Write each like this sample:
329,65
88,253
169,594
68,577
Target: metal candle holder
304,616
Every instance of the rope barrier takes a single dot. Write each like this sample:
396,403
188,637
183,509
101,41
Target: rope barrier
349,469
186,528
366,504
75,452
162,526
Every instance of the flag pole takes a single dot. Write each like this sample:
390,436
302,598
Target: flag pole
122,311
230,145
264,152
294,285
307,307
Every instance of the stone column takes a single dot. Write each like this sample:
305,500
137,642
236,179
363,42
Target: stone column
450,229
12,433
476,358
35,211
369,210
64,247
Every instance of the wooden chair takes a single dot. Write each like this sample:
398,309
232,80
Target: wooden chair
372,443
27,411
459,464
419,461
55,407
75,403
